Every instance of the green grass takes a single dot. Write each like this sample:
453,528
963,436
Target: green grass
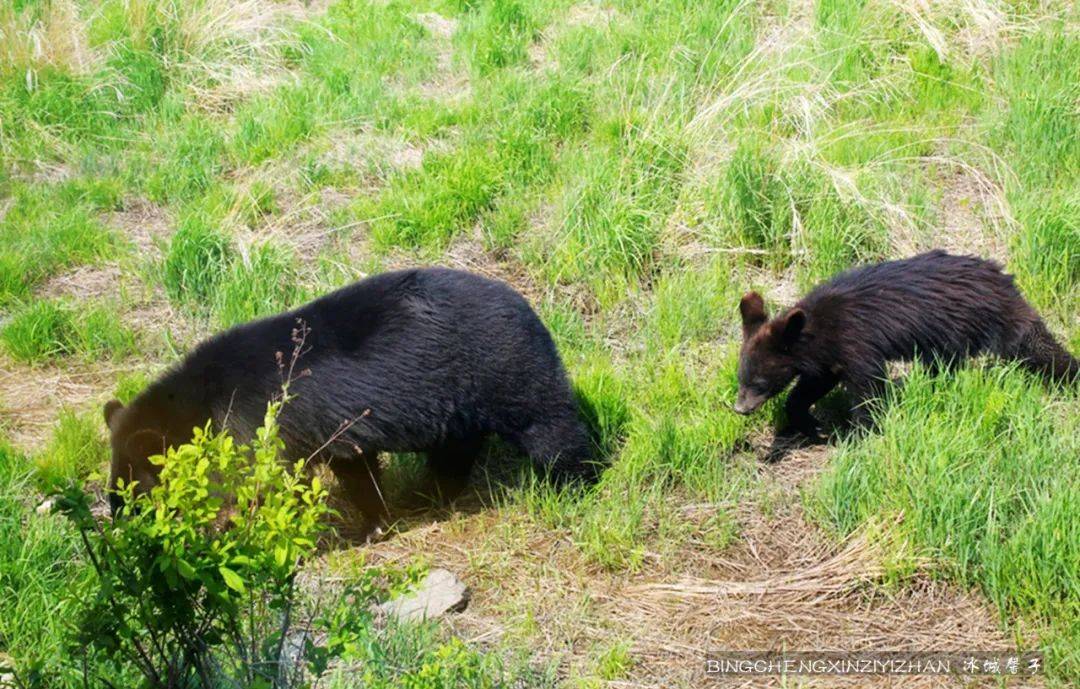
981,466
636,166
38,567
48,229
77,449
46,330
197,260
262,283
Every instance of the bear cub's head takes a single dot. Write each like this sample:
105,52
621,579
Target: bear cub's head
133,443
766,362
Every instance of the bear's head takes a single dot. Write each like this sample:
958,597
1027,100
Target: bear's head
135,438
766,362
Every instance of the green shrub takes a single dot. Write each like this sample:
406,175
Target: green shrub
196,589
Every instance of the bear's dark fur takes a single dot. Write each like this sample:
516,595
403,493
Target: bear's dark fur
935,306
427,360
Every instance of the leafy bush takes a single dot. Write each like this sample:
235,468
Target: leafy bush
196,589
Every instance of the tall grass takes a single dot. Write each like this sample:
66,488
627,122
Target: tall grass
38,568
982,467
44,330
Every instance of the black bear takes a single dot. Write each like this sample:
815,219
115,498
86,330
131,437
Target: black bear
424,360
935,306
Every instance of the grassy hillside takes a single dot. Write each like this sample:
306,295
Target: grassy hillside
173,167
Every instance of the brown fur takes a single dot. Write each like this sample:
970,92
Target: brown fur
936,307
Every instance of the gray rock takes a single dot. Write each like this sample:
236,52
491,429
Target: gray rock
439,593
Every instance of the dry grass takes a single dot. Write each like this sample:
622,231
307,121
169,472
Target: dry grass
57,40
973,217
84,282
31,399
447,84
145,224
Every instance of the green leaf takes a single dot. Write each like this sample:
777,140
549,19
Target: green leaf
232,579
185,569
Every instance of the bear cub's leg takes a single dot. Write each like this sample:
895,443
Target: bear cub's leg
865,387
359,477
807,391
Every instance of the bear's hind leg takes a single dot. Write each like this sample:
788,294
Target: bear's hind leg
359,478
450,465
867,388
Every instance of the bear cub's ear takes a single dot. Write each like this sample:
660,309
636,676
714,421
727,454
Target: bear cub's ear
752,309
794,323
112,407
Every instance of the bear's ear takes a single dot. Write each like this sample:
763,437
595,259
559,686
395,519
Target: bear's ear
145,443
112,407
752,308
794,323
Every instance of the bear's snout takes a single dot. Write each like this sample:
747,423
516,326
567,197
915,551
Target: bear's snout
748,402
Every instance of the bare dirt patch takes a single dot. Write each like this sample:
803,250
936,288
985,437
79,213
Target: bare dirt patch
445,84
589,14
469,253
84,282
31,398
146,224
438,26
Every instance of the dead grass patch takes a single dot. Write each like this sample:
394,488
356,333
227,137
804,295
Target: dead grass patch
145,224
973,216
31,398
84,282
446,84
56,39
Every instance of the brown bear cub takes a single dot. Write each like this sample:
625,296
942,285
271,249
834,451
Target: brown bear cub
936,307
429,360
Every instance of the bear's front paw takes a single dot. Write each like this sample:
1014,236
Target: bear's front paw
804,432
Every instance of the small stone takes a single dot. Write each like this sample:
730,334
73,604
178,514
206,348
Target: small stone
46,506
439,593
